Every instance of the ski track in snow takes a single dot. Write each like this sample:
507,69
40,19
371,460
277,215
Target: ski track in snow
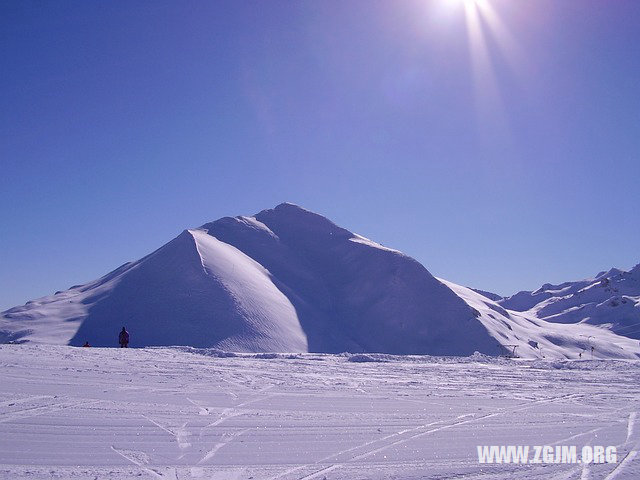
411,436
165,413
631,424
632,443
43,410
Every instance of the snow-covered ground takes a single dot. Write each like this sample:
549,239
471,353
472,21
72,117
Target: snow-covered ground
184,413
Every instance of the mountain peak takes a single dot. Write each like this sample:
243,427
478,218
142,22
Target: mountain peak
610,273
290,219
288,208
289,205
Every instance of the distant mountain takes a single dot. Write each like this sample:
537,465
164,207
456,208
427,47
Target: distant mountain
289,280
491,296
611,299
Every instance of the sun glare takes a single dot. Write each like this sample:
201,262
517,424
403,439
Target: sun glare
468,4
482,21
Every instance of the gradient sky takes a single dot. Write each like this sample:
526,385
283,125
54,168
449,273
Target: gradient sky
502,153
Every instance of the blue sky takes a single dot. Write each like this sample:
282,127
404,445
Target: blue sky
501,156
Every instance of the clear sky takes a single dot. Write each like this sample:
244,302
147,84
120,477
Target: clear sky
498,143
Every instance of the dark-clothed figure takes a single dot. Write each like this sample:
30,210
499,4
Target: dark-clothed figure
123,338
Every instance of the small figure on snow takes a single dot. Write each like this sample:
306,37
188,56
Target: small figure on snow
123,338
86,344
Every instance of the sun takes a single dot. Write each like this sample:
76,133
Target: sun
467,5
470,3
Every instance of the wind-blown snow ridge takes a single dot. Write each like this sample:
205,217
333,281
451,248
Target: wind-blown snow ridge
365,241
290,280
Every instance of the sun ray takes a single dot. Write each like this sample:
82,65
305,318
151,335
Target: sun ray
504,39
489,103
483,76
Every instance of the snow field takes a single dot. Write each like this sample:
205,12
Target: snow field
181,413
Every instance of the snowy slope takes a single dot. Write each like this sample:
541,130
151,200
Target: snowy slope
289,280
610,299
351,293
529,337
195,291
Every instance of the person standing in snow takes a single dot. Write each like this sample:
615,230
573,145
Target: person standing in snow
123,338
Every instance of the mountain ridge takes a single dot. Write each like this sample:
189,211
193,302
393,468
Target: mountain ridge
290,280
611,299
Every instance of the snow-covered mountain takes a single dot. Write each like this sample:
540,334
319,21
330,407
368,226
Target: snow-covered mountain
610,299
289,280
